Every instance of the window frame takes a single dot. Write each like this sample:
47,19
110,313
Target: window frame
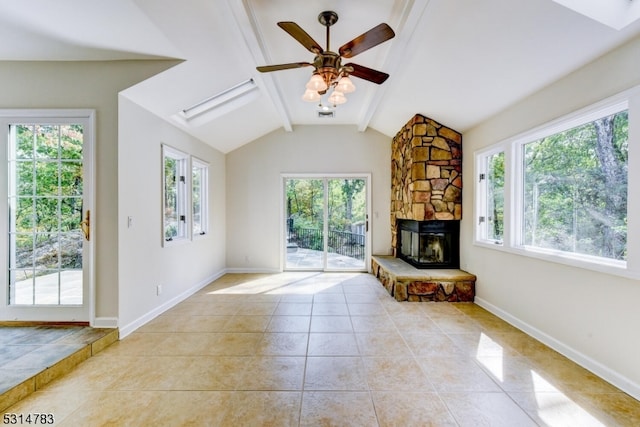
203,167
182,191
514,181
482,194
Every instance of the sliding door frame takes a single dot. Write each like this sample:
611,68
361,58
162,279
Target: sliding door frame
325,177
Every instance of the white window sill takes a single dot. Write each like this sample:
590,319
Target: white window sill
602,265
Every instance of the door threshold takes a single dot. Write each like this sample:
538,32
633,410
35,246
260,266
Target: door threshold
40,323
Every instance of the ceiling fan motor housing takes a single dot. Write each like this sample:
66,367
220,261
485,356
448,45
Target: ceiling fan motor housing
328,65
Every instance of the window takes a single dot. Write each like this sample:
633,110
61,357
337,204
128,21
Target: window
574,189
199,197
491,188
175,194
559,192
185,196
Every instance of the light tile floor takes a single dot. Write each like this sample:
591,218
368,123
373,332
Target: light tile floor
32,356
26,351
311,349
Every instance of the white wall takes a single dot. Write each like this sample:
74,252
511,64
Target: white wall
591,317
95,85
143,262
254,189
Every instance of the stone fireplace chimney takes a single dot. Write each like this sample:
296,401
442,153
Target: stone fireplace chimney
426,209
426,174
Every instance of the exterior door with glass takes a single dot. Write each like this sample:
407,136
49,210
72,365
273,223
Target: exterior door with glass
46,184
326,222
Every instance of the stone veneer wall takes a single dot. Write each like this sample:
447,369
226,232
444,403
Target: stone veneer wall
426,173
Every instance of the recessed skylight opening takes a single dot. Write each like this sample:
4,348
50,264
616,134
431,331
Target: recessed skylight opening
218,104
219,99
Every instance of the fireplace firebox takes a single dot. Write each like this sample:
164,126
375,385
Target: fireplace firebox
429,244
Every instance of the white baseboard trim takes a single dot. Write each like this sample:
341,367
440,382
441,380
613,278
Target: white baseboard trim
583,360
140,321
105,322
253,270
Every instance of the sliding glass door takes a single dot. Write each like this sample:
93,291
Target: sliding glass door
326,223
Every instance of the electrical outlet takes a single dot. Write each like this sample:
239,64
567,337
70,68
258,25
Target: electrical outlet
158,290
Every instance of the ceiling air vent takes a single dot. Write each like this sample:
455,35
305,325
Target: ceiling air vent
326,114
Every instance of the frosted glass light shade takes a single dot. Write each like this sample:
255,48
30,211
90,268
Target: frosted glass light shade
317,83
345,85
311,96
337,98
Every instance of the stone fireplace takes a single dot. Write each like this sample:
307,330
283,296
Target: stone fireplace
426,174
426,209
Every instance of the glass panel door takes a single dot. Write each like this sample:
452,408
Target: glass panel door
326,223
346,208
304,230
47,223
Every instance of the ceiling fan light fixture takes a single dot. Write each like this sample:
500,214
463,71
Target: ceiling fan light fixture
311,96
317,83
345,85
337,98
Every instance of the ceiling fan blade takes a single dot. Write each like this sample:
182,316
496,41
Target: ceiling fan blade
378,34
301,35
365,73
269,68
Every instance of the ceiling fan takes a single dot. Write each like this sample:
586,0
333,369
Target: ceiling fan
329,72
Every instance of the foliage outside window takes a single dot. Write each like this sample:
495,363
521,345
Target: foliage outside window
575,189
567,201
491,209
346,203
327,211
45,200
305,202
174,194
199,197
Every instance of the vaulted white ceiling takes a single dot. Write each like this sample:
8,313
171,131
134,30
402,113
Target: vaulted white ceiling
456,61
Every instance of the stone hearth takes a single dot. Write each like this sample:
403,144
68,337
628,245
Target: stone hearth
407,283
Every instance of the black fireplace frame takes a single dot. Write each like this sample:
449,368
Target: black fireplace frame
422,229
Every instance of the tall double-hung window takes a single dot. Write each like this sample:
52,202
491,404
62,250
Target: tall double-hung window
199,192
175,194
491,201
559,191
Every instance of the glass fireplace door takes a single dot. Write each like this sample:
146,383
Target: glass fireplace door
429,244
